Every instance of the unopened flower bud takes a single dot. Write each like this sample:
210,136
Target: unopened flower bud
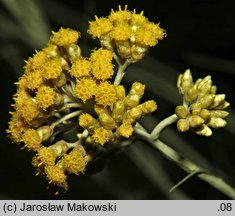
60,81
203,130
216,122
59,99
120,92
74,52
204,86
88,122
138,52
206,100
195,121
181,112
125,130
44,132
185,81
107,121
132,101
101,109
205,114
192,93
123,48
196,108
118,111
133,114
182,125
137,88
219,113
59,148
218,100
148,107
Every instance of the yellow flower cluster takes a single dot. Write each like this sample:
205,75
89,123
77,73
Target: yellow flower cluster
53,162
59,84
39,100
116,121
130,33
203,107
92,77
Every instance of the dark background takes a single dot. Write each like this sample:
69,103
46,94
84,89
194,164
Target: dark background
200,36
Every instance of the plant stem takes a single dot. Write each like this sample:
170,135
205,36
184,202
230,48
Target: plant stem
161,126
121,72
188,166
65,118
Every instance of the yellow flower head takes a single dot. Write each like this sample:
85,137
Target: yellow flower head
74,162
52,69
27,108
149,34
138,19
85,89
80,68
32,80
45,156
65,37
17,127
31,140
105,94
101,55
45,97
102,135
99,27
120,16
36,62
121,32
55,175
102,70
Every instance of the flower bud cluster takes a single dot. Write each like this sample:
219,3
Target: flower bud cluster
126,32
116,122
203,108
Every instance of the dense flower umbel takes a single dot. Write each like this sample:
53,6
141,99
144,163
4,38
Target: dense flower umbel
129,33
57,86
202,108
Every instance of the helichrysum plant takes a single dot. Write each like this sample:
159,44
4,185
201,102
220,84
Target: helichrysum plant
62,90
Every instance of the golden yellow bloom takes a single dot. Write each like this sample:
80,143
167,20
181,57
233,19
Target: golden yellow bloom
102,135
17,127
85,89
33,80
120,16
105,94
121,32
36,62
31,140
138,20
74,162
99,27
52,69
101,55
65,37
45,97
27,109
45,156
80,68
149,34
102,70
55,175
102,67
